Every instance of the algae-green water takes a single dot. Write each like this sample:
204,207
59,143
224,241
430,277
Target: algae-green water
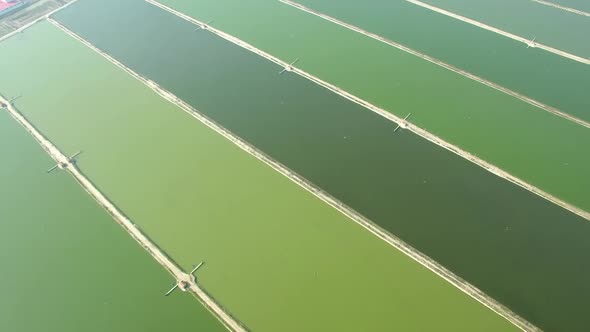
416,190
543,76
532,144
575,4
277,258
547,25
66,265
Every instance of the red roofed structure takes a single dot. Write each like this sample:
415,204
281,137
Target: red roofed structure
8,6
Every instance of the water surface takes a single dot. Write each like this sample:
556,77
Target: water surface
543,76
576,4
422,193
66,265
277,258
534,145
550,26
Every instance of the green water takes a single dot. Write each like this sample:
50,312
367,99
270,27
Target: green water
540,75
553,27
352,154
276,256
534,145
66,265
575,4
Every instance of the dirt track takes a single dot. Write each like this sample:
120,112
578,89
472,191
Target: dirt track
122,220
353,215
390,116
440,63
502,32
567,9
34,21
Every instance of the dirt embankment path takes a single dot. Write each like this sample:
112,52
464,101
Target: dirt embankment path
440,63
502,32
567,9
122,220
390,116
36,20
347,211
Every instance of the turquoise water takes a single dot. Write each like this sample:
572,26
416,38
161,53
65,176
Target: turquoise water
423,194
576,4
